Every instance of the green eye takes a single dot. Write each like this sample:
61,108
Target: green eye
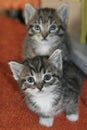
31,80
52,28
37,28
47,77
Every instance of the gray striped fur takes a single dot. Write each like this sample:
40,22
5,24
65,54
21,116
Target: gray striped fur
49,98
45,42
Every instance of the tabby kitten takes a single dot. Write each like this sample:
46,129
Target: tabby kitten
46,31
49,88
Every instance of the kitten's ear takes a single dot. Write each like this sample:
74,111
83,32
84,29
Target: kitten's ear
56,59
62,12
29,11
15,68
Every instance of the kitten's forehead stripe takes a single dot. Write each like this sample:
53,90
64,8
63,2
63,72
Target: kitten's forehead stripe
46,14
50,19
35,65
32,70
40,20
40,65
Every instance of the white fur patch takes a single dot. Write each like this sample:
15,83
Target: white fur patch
44,46
44,101
72,117
48,122
43,49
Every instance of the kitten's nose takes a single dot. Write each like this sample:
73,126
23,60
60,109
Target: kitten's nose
44,36
39,86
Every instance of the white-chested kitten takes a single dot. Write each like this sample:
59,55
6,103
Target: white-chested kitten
46,31
48,87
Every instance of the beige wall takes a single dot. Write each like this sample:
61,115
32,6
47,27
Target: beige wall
74,21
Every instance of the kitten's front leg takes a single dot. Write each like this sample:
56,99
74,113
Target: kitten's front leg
71,112
46,121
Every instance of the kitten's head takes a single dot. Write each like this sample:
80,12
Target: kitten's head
39,75
46,24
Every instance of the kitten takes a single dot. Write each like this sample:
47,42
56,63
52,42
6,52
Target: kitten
49,88
46,31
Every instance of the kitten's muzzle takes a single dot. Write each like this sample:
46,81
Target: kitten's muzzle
39,85
44,36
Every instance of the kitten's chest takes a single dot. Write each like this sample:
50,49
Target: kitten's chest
44,103
43,49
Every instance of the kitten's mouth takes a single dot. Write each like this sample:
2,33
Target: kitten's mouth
44,39
40,91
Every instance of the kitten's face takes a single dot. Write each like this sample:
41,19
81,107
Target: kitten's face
38,76
37,80
45,25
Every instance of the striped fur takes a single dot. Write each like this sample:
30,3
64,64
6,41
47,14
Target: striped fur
49,98
46,32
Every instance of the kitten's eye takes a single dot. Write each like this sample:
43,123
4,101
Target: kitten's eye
47,77
31,80
52,28
37,28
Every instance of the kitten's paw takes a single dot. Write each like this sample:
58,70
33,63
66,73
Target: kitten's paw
48,122
72,117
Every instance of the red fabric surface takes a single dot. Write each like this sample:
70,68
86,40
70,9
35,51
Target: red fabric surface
14,114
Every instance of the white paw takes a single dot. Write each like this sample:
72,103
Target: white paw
48,122
72,117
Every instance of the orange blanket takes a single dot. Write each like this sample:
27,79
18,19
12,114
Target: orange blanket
14,114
